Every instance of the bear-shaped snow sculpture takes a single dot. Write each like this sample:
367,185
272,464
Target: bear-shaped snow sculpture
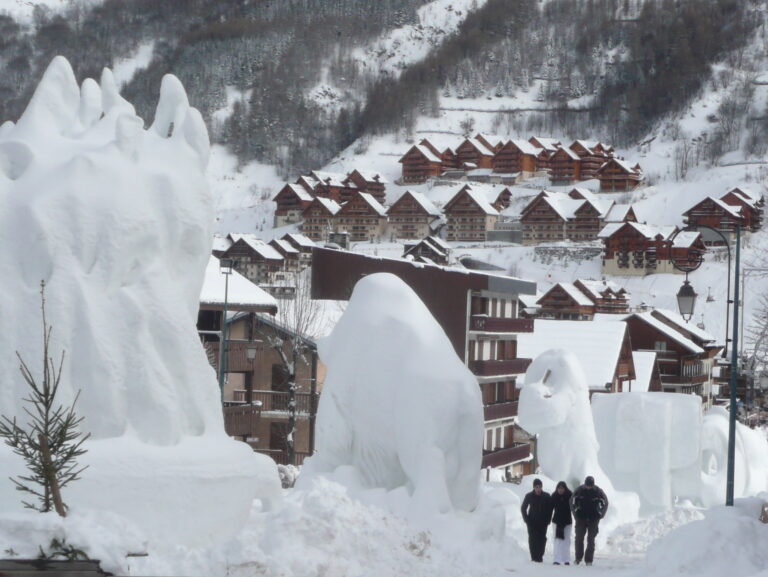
399,409
554,405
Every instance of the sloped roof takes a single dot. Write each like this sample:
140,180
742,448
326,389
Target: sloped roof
618,212
330,205
300,239
285,245
665,329
241,293
648,231
525,147
567,151
431,156
481,148
548,143
573,292
685,239
373,203
332,178
597,345
299,190
676,319
597,287
588,144
423,201
625,166
734,211
372,176
259,246
747,193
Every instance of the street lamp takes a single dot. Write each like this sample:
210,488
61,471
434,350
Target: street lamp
226,265
689,300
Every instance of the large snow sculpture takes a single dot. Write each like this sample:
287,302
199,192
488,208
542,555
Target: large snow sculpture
118,222
650,444
399,409
554,405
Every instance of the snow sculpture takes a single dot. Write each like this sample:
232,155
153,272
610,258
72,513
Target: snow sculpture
554,404
399,409
751,465
649,444
118,222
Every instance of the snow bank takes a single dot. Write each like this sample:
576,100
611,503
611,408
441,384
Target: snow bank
399,412
649,444
729,541
554,404
118,221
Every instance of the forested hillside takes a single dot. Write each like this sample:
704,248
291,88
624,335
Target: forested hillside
283,81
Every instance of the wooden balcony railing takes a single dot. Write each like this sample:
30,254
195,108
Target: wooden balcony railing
242,421
500,411
507,455
237,361
690,379
499,325
280,456
494,368
278,400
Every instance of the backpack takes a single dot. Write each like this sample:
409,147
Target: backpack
588,504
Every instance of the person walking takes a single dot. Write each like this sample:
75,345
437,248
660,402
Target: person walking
589,504
562,522
537,513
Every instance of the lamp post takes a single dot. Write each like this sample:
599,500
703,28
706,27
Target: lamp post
225,267
250,354
686,299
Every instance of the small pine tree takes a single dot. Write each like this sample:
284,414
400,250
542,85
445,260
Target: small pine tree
51,442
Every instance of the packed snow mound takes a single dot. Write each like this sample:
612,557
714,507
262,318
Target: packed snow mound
650,445
118,221
728,541
554,404
751,462
399,409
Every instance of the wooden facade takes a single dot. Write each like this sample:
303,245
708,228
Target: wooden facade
608,297
617,176
516,156
334,186
257,261
714,213
362,217
318,219
472,152
420,163
411,216
636,249
291,201
564,166
469,216
430,250
372,183
565,302
592,157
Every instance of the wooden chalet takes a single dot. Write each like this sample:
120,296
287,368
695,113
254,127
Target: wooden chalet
412,216
564,166
475,153
547,148
469,215
304,245
714,213
616,175
308,183
751,206
429,250
479,314
592,156
318,218
292,262
516,156
421,162
637,249
291,202
556,216
684,353
256,260
333,185
621,213
371,182
609,298
362,217
565,301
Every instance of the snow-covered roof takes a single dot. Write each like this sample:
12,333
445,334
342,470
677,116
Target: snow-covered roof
479,196
331,205
259,246
618,212
685,239
299,191
221,243
530,301
597,345
286,246
597,287
644,362
648,231
625,166
564,205
578,296
439,242
746,192
588,144
373,203
692,328
733,210
424,202
482,148
675,335
372,176
549,144
743,197
332,178
427,153
241,293
568,151
525,147
300,239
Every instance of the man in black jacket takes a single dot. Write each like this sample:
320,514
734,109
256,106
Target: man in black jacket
589,504
537,514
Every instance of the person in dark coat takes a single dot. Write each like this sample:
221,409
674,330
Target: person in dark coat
537,513
589,504
562,523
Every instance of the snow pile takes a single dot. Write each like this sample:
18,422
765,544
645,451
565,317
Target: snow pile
751,471
400,412
649,444
117,220
729,541
634,538
554,404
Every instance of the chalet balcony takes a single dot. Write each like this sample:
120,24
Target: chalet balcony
496,368
277,401
242,421
680,379
500,325
237,361
497,411
280,456
507,455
